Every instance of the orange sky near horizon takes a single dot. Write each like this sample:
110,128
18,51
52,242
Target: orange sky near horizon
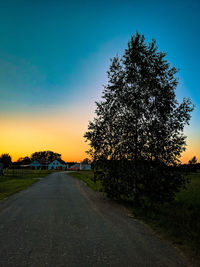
54,60
61,132
23,135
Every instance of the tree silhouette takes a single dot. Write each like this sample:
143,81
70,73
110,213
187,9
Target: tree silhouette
24,160
6,160
47,156
136,138
86,161
192,164
193,160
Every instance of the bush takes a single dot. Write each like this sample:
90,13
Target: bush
142,181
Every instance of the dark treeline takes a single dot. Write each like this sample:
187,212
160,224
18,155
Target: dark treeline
188,168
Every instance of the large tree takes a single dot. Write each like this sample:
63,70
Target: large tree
137,134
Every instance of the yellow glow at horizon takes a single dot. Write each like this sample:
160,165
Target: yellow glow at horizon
192,148
21,136
62,132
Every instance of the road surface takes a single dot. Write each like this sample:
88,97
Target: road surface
60,222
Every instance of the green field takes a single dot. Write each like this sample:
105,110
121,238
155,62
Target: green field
178,222
16,180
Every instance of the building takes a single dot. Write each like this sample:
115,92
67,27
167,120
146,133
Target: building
35,165
57,165
85,167
44,165
80,167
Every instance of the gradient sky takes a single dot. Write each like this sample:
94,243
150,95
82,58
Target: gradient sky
53,61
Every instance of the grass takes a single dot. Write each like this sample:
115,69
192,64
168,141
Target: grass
178,222
14,181
11,186
88,178
26,173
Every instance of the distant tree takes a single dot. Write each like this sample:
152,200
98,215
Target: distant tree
6,160
24,161
192,164
45,156
193,160
86,161
136,138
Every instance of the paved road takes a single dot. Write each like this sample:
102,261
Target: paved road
60,222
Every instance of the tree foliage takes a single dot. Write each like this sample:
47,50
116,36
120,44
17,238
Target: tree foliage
86,161
193,160
137,138
193,165
24,160
45,156
6,160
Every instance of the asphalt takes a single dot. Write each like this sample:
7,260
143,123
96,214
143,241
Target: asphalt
60,222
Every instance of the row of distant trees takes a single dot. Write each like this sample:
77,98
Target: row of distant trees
41,156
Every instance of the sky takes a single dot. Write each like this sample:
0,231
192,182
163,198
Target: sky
53,61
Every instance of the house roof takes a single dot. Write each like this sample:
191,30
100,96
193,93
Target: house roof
59,160
77,165
46,163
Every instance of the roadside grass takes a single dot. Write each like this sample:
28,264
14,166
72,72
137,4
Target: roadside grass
26,173
11,182
11,186
88,178
178,222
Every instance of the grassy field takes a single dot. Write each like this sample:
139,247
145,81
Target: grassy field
179,222
14,181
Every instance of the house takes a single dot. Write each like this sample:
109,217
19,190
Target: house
85,167
44,165
75,167
35,165
57,165
80,167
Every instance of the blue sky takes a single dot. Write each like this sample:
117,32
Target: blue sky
54,54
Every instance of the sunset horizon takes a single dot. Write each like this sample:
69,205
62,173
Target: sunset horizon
54,58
